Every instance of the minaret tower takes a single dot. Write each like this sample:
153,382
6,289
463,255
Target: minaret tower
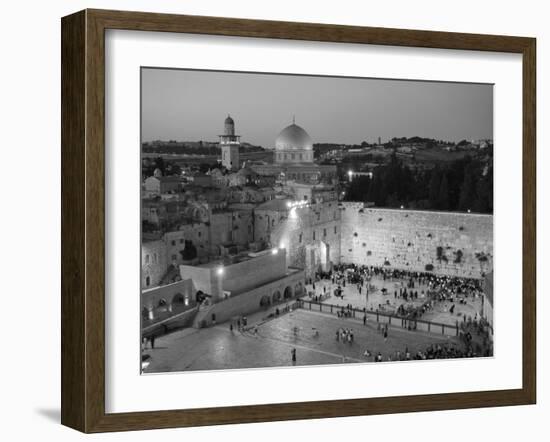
229,144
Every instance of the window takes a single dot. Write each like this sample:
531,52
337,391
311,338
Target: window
335,230
324,232
155,257
181,240
148,281
300,238
173,242
174,257
292,156
314,235
318,216
146,259
199,233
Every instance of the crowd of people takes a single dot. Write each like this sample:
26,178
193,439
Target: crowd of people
411,286
345,335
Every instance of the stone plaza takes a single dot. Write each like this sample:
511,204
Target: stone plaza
268,339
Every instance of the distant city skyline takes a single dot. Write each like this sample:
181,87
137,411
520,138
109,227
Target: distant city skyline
187,105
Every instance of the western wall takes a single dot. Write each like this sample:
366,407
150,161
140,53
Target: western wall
459,244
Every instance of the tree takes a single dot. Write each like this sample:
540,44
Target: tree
434,186
443,197
468,189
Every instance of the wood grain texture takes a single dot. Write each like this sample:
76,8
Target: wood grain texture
73,128
83,220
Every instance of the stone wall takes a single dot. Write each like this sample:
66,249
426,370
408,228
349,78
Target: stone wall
177,292
407,239
305,232
253,300
242,276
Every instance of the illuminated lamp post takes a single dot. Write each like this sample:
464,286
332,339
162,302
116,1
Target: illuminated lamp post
220,271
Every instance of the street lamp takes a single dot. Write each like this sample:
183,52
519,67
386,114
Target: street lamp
220,271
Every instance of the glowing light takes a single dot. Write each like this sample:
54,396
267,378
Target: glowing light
220,271
468,210
402,207
275,251
282,245
350,173
288,204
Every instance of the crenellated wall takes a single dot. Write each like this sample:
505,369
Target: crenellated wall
408,239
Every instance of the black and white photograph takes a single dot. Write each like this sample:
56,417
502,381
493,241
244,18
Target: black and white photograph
300,220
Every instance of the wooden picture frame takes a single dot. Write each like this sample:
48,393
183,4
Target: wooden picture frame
83,220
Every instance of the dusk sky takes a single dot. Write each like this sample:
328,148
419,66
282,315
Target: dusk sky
192,105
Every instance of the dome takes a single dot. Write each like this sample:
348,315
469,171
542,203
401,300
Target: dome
293,137
229,120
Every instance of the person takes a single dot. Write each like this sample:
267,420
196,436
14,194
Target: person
293,355
152,341
231,327
364,319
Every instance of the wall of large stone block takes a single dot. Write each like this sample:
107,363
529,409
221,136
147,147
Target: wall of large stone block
408,239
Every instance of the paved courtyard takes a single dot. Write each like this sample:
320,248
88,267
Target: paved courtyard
376,297
220,348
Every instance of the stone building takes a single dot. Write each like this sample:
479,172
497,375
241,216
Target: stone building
294,159
309,232
153,262
157,185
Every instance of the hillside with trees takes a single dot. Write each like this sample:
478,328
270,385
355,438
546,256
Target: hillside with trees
461,185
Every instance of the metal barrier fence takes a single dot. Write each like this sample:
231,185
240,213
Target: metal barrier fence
381,317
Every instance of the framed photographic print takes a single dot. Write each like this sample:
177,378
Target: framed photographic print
270,220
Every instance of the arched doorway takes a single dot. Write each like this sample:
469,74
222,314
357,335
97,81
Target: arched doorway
288,293
178,299
265,301
298,289
179,302
276,297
